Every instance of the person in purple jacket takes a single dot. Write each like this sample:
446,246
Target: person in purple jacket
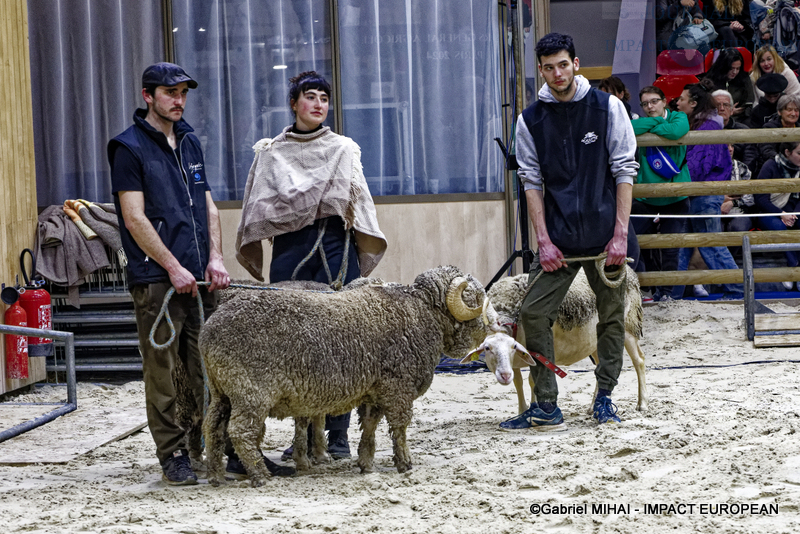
706,163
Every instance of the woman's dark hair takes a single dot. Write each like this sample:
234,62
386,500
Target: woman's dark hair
553,43
701,94
790,146
722,66
305,81
651,89
614,85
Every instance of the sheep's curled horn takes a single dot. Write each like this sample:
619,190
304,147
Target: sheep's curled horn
456,304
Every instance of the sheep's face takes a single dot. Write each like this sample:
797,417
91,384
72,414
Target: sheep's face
499,350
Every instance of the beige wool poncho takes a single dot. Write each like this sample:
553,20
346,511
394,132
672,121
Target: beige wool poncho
298,178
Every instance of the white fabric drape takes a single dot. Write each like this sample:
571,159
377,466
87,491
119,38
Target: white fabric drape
87,59
421,84
242,54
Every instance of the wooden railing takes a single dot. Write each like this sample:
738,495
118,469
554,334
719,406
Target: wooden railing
753,186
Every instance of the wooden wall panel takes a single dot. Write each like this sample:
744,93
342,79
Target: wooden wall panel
18,213
470,235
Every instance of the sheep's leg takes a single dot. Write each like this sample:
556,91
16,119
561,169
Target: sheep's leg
637,359
520,391
246,429
194,442
532,384
319,447
369,417
300,444
398,415
214,428
596,387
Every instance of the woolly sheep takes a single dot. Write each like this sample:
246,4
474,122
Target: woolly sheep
574,333
189,415
304,354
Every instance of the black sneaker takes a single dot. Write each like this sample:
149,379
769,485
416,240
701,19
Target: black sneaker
178,469
338,447
235,469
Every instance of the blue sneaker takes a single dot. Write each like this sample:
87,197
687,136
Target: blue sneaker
535,418
605,411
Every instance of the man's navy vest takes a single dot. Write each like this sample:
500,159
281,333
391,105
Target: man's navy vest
174,196
580,193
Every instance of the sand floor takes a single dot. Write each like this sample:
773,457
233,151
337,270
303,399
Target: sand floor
721,432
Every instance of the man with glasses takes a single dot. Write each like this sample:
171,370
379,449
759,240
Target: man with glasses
747,153
660,165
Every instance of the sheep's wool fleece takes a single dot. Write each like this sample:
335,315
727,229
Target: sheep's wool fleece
298,178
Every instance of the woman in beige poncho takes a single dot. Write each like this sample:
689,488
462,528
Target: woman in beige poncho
307,193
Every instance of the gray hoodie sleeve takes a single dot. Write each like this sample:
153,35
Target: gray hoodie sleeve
529,171
621,143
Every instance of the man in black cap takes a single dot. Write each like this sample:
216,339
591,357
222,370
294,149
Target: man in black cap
772,85
171,234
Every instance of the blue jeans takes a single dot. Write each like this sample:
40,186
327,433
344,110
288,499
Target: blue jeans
715,257
775,223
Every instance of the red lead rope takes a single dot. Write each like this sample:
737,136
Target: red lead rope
547,363
544,361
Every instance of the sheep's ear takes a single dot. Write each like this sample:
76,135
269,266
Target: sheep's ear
524,354
473,356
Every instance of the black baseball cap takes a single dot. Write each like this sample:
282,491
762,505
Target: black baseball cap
772,83
167,74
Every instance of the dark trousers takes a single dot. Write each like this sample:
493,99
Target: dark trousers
159,365
288,250
540,311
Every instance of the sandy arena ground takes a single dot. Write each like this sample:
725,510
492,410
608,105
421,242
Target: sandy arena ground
721,430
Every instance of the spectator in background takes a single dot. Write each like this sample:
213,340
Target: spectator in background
771,86
744,152
727,73
767,61
706,163
653,169
672,14
731,19
614,86
788,114
737,204
528,95
785,164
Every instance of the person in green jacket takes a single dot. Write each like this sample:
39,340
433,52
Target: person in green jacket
660,165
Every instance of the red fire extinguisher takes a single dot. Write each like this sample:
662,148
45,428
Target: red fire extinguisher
16,346
36,302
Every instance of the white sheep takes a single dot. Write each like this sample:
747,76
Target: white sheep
574,332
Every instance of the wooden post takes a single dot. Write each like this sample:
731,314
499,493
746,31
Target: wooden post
18,215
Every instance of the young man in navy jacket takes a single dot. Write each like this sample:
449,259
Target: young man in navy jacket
576,151
171,234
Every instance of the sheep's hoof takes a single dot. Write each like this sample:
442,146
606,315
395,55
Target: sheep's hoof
402,468
641,407
257,481
302,464
323,458
214,481
366,469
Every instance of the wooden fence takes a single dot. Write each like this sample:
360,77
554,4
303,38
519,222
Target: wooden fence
724,276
